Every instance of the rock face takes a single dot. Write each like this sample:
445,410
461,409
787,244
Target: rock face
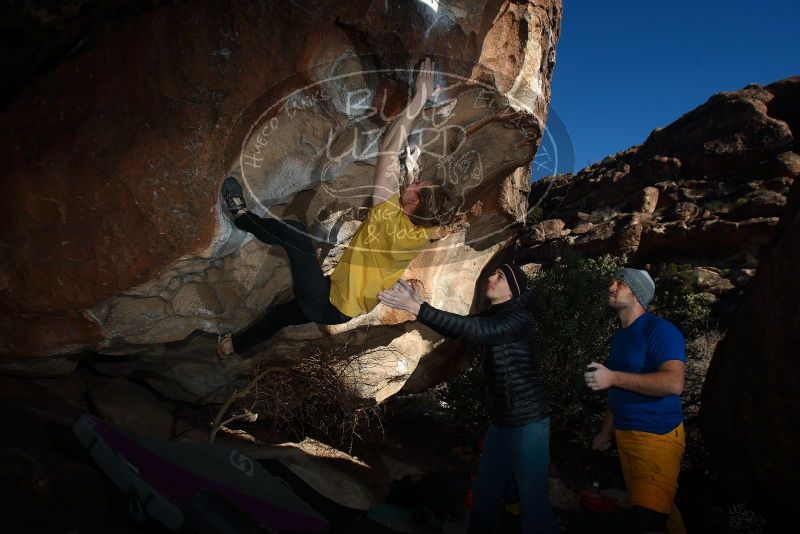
750,412
114,240
707,191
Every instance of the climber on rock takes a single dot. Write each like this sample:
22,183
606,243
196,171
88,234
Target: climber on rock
398,227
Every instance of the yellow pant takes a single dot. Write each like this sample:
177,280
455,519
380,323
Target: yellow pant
651,464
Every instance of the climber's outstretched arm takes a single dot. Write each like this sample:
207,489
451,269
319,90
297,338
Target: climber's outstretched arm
387,169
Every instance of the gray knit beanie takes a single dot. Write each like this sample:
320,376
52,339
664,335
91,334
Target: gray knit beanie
640,284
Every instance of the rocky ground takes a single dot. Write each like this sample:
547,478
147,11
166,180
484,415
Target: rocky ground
50,484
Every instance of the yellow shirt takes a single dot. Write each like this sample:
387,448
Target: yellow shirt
376,257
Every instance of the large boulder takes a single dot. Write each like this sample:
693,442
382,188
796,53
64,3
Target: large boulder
115,241
750,411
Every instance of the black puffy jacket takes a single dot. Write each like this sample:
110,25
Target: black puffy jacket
515,390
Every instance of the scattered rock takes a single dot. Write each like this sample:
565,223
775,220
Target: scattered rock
538,233
132,407
647,200
710,280
313,462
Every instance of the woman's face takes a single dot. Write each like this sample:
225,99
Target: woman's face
497,289
410,196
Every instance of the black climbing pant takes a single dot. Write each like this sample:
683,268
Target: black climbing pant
311,287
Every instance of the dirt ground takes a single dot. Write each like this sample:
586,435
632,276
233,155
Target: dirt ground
49,484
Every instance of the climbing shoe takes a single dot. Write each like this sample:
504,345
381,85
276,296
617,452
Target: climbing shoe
233,196
225,346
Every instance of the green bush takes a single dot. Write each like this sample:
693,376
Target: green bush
574,328
675,277
535,216
462,396
677,300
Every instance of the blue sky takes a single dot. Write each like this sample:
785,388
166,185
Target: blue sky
624,68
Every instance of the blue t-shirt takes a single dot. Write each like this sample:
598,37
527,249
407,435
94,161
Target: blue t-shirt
643,347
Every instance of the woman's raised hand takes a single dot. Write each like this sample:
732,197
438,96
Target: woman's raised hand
424,85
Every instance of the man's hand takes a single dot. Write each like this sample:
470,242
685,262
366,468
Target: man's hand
600,377
602,441
402,296
669,379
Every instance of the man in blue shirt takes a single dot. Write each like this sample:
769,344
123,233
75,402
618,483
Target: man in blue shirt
644,378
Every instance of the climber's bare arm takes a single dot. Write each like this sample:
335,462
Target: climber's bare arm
387,169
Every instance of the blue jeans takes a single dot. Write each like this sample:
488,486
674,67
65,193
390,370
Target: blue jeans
521,453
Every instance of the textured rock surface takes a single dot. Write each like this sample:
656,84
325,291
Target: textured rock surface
707,191
751,410
114,241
